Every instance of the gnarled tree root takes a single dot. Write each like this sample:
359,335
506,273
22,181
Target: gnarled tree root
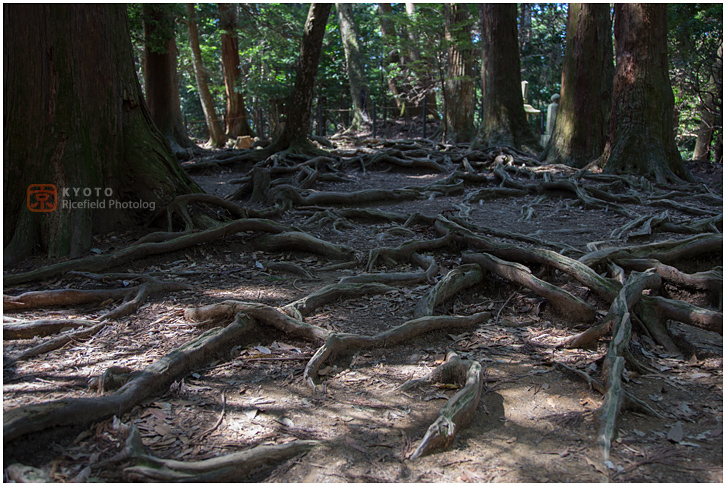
564,302
59,342
299,241
98,263
25,420
451,284
338,343
456,413
225,468
41,327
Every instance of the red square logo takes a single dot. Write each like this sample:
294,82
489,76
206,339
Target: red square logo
42,198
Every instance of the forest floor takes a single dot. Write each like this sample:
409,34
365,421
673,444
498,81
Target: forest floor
535,422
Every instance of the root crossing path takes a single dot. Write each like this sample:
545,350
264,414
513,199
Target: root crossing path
382,311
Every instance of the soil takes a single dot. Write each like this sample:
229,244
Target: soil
534,423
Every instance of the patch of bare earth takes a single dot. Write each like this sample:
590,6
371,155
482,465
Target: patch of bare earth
537,420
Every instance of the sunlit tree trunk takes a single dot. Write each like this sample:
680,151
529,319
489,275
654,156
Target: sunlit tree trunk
459,81
160,77
216,134
708,111
587,85
640,139
388,33
294,135
354,62
504,121
74,117
237,122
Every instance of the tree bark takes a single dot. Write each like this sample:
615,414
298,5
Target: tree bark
237,122
294,135
504,121
415,56
388,33
74,117
708,111
354,62
460,81
160,77
216,134
587,85
640,139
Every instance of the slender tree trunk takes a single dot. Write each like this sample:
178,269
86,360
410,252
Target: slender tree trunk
504,121
388,33
237,122
415,57
216,134
460,81
76,125
640,139
587,86
708,110
299,107
354,62
161,79
525,25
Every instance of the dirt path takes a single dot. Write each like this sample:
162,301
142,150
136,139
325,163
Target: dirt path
536,421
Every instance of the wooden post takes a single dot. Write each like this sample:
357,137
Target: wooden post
374,118
424,118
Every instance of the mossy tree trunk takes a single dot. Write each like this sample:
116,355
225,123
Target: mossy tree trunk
161,81
641,139
217,137
587,86
237,122
74,117
504,121
294,135
354,62
460,81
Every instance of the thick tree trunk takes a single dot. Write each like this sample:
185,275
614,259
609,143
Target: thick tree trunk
237,118
708,110
354,62
75,122
587,85
160,77
640,139
504,121
216,134
297,124
388,33
460,81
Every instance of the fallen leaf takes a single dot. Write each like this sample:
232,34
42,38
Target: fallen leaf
325,371
676,433
263,349
162,429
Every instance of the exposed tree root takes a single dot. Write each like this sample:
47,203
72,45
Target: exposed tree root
628,297
225,468
298,241
342,290
59,342
565,303
453,282
24,420
338,343
41,327
458,410
99,263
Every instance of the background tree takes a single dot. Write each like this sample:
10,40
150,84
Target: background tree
74,116
161,82
297,124
641,138
587,83
459,95
711,113
237,123
504,121
216,135
391,55
354,62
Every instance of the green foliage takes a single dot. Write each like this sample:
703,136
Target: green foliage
695,32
